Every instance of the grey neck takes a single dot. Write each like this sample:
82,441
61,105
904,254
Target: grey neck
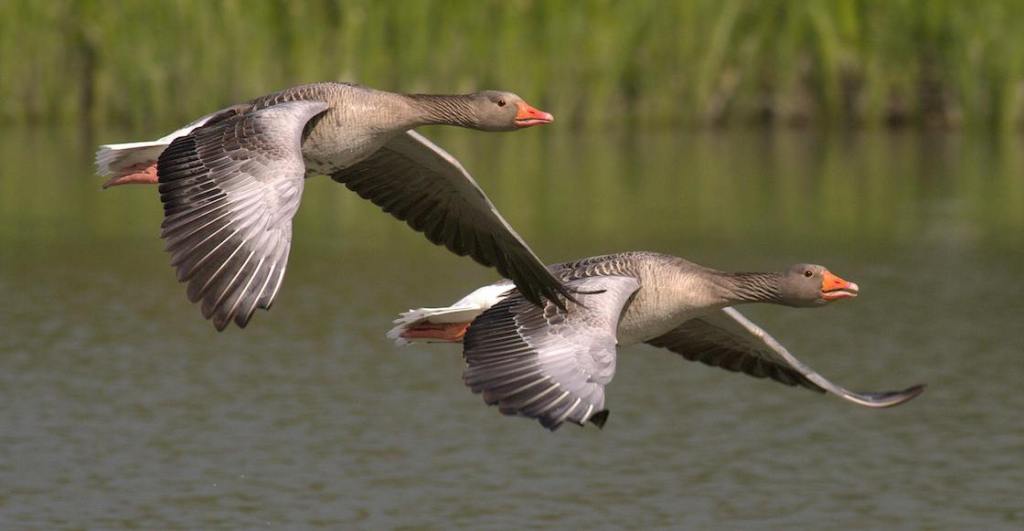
739,288
436,109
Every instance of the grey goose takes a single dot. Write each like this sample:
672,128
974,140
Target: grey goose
230,183
552,363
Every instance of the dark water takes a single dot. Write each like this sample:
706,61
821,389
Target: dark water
122,408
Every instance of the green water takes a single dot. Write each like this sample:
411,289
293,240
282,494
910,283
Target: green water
122,407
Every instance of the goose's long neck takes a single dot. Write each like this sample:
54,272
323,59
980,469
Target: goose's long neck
737,288
435,109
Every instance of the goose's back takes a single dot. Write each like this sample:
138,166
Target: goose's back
359,121
672,290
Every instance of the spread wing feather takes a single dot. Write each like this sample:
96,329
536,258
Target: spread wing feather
416,181
230,190
729,340
544,362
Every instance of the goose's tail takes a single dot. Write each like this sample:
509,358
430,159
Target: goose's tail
129,163
447,324
135,162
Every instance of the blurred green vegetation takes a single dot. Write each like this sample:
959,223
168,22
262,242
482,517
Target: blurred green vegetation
594,63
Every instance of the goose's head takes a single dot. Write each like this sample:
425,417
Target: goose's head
505,111
814,285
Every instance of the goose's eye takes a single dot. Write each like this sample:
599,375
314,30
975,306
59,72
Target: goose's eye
808,273
501,103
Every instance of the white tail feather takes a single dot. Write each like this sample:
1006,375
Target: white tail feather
463,311
115,160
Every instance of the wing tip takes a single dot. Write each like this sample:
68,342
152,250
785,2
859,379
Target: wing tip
889,399
222,318
910,393
559,294
599,418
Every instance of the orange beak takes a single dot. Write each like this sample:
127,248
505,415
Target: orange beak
527,116
834,288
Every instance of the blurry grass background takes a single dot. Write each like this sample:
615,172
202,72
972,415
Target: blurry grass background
867,63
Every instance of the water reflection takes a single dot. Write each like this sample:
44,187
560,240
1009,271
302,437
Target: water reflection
123,407
879,188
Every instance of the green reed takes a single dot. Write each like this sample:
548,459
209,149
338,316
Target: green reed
594,63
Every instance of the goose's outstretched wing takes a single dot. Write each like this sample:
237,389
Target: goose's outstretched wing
729,340
545,362
416,181
230,190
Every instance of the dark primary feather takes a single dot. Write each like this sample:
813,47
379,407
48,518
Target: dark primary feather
230,190
545,362
700,340
417,182
729,340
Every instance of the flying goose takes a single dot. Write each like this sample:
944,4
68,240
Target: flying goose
552,363
231,181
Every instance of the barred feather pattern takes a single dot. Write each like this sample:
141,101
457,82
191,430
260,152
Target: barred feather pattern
548,363
230,190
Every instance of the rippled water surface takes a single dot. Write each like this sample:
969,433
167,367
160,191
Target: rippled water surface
122,407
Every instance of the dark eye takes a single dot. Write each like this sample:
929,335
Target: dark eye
808,273
501,103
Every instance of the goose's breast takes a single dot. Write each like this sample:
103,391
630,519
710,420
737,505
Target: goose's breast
637,326
654,312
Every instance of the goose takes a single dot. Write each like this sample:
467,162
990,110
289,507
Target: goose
231,181
552,363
